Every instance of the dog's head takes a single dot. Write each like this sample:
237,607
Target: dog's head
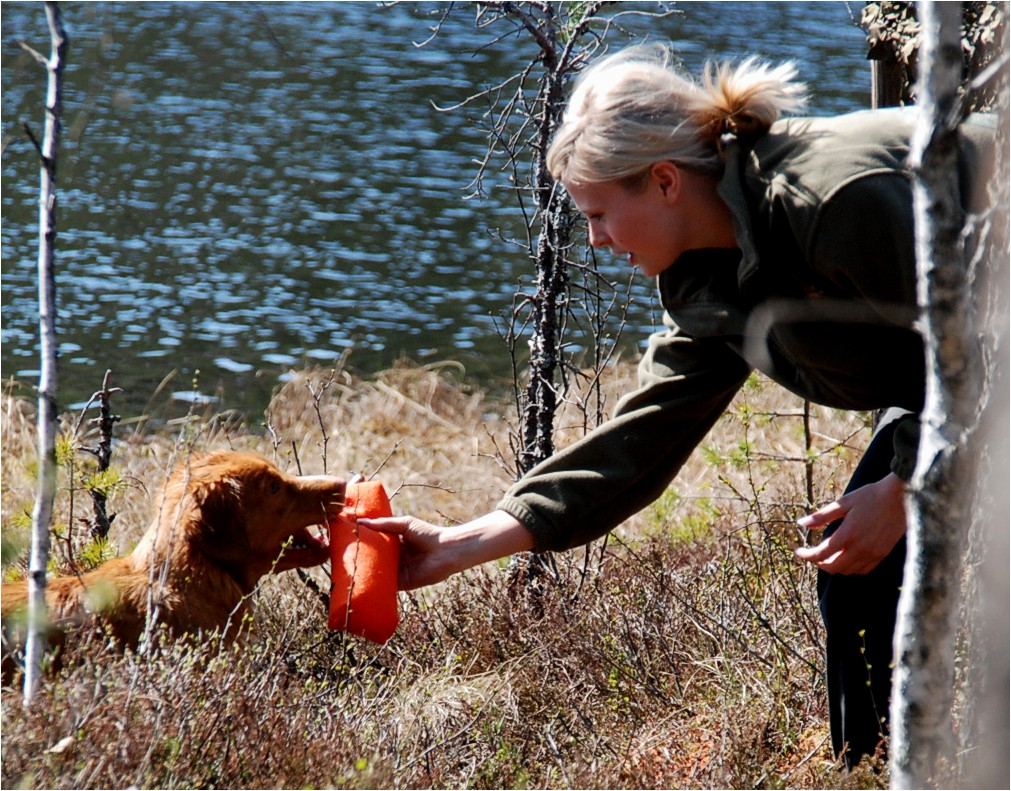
242,513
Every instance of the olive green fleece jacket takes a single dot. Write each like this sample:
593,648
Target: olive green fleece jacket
820,297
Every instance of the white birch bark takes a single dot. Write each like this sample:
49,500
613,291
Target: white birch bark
940,494
43,509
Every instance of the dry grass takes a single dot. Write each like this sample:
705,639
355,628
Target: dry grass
685,651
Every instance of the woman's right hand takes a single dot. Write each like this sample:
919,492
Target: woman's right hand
430,554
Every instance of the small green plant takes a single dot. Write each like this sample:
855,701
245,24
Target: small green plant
95,553
14,538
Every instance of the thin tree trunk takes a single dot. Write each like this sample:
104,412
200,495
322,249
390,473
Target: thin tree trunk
941,491
43,510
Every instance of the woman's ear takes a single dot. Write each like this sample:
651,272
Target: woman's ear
666,176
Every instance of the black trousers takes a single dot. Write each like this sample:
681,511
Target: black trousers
859,613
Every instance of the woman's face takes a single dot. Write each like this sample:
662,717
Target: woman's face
641,222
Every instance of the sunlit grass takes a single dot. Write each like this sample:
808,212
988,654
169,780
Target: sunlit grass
685,651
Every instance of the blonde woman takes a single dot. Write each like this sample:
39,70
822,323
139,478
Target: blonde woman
784,246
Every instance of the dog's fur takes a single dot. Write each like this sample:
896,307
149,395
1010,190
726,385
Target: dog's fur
225,520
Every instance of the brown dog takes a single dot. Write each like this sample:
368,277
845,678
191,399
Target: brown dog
225,520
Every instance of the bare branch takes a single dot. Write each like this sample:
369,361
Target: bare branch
34,53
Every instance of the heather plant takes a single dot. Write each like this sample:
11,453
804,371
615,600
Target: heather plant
683,650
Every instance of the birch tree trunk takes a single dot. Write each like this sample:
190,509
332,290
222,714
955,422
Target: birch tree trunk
941,491
43,509
984,724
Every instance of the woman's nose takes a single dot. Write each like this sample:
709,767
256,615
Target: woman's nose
598,238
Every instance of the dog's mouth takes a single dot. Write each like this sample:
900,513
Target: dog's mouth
303,550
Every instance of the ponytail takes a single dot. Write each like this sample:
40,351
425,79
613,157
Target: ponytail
745,100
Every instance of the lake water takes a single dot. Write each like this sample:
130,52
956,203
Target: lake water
250,188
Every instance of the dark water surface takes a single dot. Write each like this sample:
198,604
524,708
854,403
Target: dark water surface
250,188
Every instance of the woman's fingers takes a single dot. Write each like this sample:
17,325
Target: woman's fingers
825,516
873,521
819,553
397,525
822,554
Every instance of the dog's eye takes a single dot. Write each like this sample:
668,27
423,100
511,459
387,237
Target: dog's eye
274,487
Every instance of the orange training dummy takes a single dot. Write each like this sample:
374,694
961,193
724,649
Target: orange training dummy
363,567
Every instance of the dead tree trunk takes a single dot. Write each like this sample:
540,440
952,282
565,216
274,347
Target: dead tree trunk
102,451
940,499
549,300
43,510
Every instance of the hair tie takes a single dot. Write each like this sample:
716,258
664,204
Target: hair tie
728,127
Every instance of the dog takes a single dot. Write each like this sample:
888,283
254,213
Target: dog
225,521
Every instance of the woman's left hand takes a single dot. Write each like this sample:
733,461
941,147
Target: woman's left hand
874,519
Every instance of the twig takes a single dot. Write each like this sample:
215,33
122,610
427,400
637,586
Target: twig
34,53
46,162
382,464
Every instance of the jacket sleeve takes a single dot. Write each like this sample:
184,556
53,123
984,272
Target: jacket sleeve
590,487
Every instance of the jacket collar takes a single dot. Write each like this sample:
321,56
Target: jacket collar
731,190
701,294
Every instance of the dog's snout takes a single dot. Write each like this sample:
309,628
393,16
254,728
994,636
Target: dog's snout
329,488
324,481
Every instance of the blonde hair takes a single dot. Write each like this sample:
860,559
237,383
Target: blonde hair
635,108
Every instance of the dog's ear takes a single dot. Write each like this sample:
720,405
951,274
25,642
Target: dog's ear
220,531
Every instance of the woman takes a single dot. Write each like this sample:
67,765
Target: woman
785,246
